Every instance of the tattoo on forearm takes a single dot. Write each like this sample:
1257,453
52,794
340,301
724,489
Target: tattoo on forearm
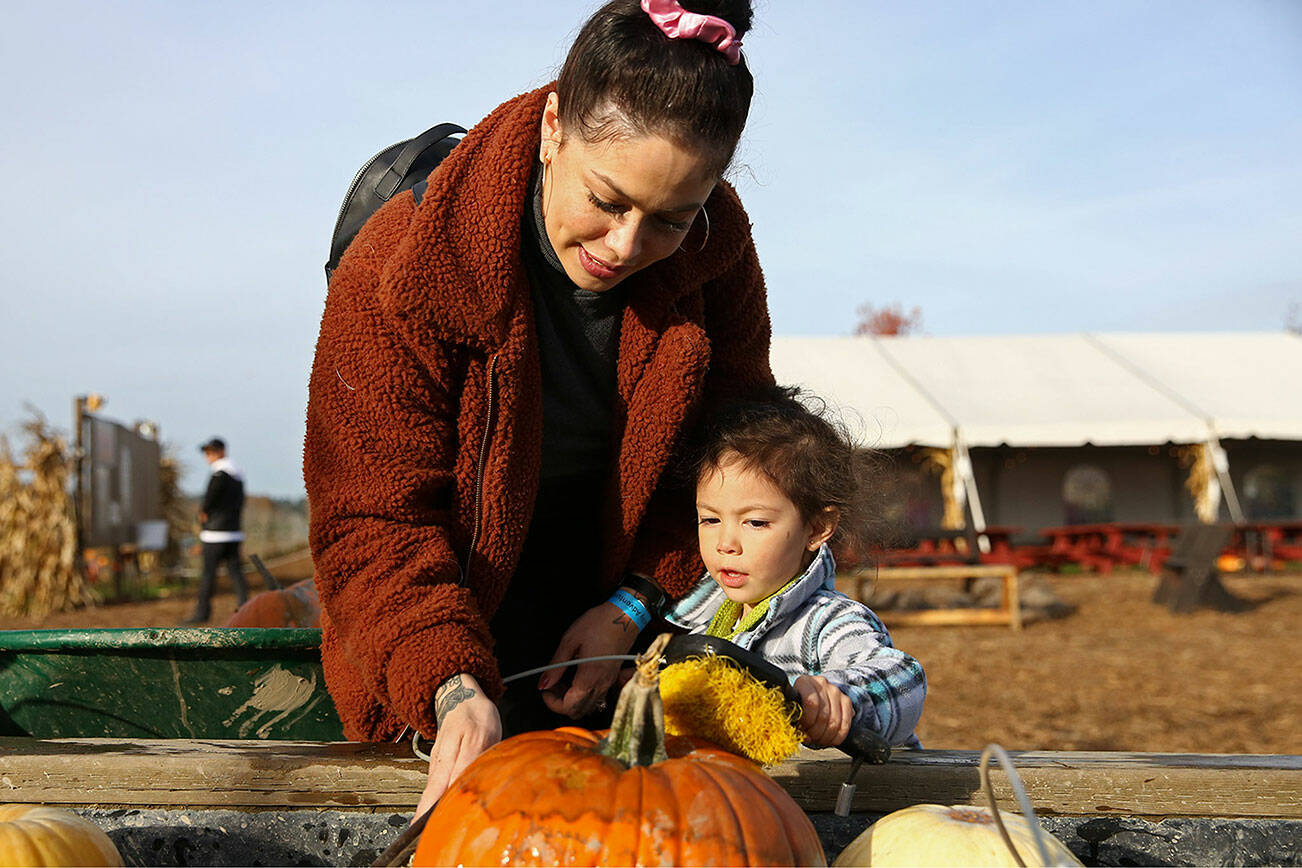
452,693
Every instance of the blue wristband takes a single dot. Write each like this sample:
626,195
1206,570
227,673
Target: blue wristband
631,606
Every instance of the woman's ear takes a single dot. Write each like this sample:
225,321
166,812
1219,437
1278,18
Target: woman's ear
551,128
822,526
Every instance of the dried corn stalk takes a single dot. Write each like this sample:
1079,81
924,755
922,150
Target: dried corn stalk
175,508
1202,481
39,573
941,462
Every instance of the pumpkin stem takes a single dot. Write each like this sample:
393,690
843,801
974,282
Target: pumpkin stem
637,733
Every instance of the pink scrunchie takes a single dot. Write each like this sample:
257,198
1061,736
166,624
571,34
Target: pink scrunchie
677,23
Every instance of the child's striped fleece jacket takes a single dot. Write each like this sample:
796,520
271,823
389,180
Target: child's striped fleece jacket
813,629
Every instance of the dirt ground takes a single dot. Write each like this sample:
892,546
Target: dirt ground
1120,673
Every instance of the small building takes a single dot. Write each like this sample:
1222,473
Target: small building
1047,430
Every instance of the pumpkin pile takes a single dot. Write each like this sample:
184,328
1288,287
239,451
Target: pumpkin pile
33,835
630,797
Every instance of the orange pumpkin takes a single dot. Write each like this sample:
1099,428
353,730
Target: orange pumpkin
572,797
295,606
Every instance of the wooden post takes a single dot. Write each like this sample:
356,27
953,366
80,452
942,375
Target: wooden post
79,492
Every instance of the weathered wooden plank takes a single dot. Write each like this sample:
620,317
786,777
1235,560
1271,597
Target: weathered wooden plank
1093,783
170,772
346,775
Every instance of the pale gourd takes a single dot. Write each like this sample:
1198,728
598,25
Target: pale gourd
33,835
937,835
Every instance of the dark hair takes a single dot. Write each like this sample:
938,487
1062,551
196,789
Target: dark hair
793,439
624,76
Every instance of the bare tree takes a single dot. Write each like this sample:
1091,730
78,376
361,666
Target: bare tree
887,320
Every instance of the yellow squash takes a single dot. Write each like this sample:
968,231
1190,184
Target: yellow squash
32,835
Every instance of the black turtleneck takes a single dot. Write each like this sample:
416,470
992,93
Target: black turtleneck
557,578
578,342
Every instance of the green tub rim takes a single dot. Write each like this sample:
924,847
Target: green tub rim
162,638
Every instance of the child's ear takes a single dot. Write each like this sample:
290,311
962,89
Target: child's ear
822,526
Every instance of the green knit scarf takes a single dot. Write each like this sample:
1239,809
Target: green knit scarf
728,622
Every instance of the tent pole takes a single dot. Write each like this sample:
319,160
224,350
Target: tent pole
963,466
1221,462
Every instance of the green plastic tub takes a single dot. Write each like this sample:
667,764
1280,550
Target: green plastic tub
154,683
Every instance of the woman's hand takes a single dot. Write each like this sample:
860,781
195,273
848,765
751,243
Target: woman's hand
469,724
826,712
603,629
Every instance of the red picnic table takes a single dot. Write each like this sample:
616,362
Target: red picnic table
1107,545
1261,543
942,546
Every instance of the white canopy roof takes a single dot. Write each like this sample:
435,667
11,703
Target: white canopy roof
1247,385
876,400
1055,390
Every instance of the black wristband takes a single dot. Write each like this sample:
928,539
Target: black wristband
656,598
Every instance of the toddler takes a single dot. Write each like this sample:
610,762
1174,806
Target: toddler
776,482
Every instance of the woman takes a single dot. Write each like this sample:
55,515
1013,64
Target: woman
502,372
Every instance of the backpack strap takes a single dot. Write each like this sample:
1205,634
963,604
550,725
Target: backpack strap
398,170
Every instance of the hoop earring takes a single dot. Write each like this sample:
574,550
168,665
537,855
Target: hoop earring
544,186
706,239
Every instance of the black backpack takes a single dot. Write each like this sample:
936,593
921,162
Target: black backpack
399,167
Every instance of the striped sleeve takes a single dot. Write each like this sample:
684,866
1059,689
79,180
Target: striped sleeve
694,611
849,646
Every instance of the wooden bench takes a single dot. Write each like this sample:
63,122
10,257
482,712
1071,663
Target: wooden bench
1009,611
190,802
342,776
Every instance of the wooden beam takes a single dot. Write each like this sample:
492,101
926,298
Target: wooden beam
1008,612
946,617
345,775
948,571
1068,783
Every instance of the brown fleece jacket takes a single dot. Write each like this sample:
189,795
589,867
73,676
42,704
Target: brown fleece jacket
424,421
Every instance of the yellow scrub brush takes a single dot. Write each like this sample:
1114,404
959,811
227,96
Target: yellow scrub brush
719,691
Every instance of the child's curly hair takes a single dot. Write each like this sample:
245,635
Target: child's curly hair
793,439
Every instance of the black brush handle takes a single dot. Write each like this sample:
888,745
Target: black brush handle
860,743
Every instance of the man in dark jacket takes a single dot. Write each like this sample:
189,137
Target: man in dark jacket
220,534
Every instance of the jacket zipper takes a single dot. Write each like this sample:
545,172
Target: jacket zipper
479,469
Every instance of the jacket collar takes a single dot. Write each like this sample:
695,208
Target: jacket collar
225,465
821,574
465,238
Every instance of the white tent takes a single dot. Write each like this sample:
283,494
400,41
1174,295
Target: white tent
1244,385
877,400
1056,390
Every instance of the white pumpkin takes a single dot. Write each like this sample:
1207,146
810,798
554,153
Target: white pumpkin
936,835
33,835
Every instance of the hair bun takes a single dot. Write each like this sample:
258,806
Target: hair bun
738,13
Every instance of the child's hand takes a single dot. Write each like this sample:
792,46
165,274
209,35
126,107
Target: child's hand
826,712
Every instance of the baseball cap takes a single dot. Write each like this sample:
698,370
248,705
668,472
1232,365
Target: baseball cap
214,444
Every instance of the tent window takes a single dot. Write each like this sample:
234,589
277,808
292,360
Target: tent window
1268,492
1087,495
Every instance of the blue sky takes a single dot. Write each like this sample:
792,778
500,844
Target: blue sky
173,171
